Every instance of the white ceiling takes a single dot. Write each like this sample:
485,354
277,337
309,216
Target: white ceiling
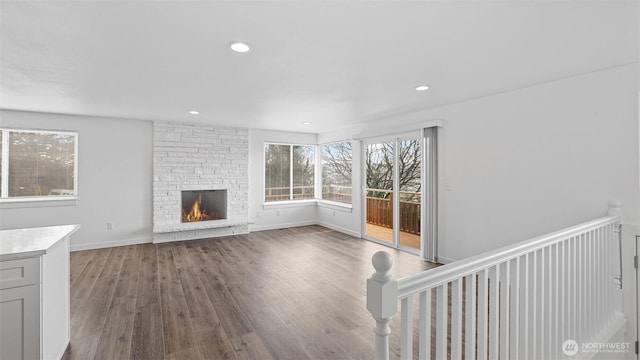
333,63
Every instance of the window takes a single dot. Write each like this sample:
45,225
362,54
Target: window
289,172
37,163
336,172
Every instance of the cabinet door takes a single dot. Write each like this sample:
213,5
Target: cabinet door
20,322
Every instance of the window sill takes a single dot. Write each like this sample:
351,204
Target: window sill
311,202
29,202
289,204
334,205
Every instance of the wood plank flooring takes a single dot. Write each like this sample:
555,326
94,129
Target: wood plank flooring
282,294
386,234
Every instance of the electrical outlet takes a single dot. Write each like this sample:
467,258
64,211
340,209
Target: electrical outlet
333,213
109,226
257,214
277,212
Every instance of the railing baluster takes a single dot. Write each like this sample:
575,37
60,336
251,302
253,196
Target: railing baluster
579,284
526,308
494,313
549,329
406,330
577,298
514,310
483,314
505,288
600,289
569,284
594,282
534,305
456,319
541,318
554,295
470,317
588,285
441,321
424,344
615,260
608,274
561,284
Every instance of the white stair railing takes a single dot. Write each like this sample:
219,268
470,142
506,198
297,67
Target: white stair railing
536,299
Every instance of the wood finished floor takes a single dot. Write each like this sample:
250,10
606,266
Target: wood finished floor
281,294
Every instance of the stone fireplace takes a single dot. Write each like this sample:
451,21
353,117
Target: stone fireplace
204,166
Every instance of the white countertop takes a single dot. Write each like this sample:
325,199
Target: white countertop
31,242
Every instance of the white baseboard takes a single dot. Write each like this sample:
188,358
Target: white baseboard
108,244
253,228
444,260
340,229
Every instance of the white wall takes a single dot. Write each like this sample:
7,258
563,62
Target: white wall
528,162
114,180
523,163
514,165
344,219
279,216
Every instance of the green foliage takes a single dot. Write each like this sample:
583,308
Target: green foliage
283,161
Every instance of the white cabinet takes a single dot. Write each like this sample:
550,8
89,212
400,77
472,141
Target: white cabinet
34,292
20,325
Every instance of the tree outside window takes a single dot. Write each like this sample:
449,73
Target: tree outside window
37,163
289,172
336,172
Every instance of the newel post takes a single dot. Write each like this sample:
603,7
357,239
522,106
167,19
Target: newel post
615,209
382,300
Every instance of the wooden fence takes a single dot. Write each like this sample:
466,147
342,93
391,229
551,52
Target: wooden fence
380,211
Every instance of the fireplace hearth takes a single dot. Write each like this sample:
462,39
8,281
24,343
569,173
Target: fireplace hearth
204,205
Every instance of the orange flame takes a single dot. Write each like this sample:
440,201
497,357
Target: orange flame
195,214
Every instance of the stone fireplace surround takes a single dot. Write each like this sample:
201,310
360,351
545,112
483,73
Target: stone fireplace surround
188,157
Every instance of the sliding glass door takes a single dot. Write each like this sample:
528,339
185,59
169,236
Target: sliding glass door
393,197
379,172
409,194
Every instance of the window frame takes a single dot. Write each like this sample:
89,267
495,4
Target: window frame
291,200
49,199
321,172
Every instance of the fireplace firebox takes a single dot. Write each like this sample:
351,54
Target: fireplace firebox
204,205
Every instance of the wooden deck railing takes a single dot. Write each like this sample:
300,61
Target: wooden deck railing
284,193
380,210
335,193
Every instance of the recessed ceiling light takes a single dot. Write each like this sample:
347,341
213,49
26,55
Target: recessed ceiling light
422,87
239,46
193,112
307,123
